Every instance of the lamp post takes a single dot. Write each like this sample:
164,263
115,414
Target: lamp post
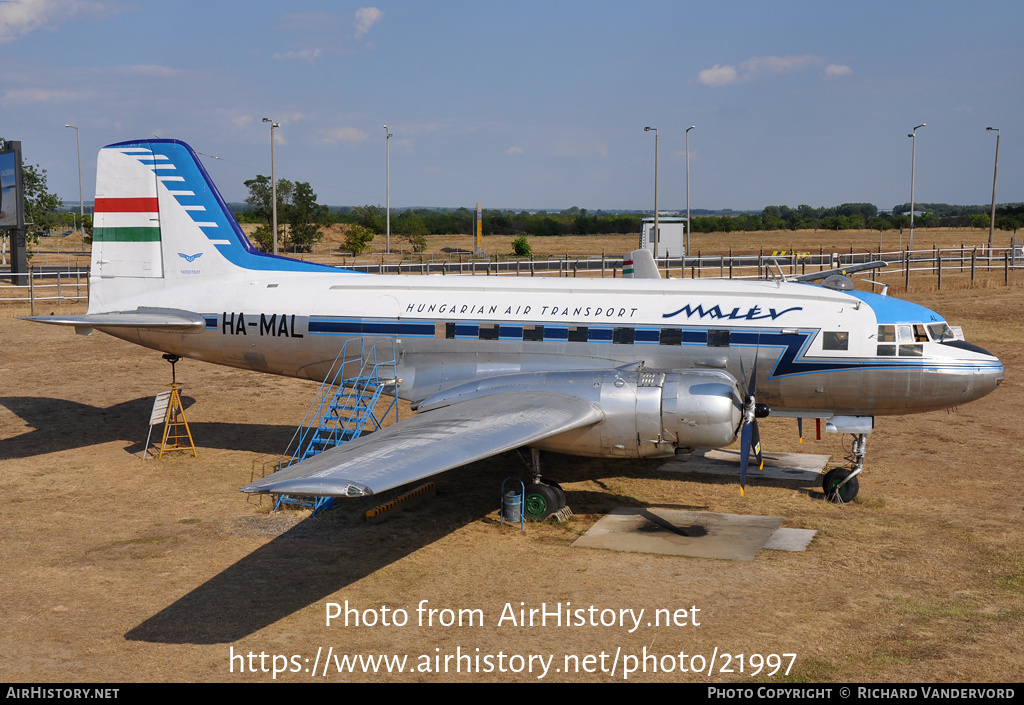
387,171
995,174
913,163
655,131
81,204
687,254
273,183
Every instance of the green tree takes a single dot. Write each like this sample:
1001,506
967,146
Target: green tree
260,198
40,205
521,247
357,239
304,216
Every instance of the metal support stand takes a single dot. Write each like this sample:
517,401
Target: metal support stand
176,428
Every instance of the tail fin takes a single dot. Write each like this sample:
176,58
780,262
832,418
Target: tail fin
639,264
160,220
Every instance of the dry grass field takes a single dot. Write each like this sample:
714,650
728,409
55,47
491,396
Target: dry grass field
117,569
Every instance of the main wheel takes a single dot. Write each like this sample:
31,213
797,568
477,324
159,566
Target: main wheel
835,493
541,501
559,493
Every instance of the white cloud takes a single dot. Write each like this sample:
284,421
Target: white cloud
350,135
758,67
837,70
718,75
366,17
514,150
21,17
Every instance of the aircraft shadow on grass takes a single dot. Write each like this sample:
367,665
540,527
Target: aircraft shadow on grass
319,557
82,425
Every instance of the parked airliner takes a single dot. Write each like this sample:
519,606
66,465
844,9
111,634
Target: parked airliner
631,368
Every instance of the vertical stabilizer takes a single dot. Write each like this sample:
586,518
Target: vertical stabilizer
160,221
639,264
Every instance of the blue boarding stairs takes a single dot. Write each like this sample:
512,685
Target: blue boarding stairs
343,407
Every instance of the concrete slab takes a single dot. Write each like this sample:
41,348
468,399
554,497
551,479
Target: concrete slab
791,539
680,533
803,467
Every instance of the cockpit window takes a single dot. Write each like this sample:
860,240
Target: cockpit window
835,340
940,332
886,334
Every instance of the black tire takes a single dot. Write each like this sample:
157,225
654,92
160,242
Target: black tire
836,494
559,492
541,501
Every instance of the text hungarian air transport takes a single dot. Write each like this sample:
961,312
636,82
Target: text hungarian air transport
631,368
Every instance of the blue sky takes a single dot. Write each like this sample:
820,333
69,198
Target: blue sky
533,104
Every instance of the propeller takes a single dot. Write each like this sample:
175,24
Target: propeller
750,436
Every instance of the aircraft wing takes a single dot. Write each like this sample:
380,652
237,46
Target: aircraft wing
166,319
432,442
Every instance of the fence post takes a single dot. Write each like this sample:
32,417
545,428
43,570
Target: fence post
58,288
31,292
730,263
974,262
906,269
938,265
1006,268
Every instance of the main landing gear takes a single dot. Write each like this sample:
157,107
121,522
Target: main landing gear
840,484
543,497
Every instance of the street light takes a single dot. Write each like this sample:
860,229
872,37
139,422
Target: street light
995,173
273,182
655,131
687,253
387,171
81,204
913,162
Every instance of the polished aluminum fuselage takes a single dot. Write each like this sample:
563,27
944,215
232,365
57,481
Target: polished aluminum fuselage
449,330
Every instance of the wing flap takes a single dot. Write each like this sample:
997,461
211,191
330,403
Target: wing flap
432,442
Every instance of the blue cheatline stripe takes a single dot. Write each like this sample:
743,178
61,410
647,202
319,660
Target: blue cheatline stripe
789,346
358,327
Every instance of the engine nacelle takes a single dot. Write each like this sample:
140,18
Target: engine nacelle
646,413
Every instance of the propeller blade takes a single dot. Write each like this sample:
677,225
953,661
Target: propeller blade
744,454
800,428
755,445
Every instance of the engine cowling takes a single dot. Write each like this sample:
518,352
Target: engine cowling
647,413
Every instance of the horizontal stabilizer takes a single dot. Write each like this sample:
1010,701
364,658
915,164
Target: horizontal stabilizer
814,276
165,319
432,442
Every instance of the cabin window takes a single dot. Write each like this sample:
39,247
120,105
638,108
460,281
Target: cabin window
718,338
671,336
911,350
578,334
905,334
887,350
489,331
623,336
835,340
533,332
886,334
